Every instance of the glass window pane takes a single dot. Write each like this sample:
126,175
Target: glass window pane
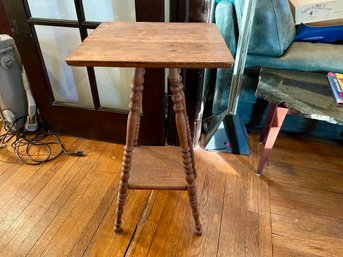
70,85
114,87
52,9
109,10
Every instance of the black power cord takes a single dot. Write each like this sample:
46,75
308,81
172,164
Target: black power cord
24,141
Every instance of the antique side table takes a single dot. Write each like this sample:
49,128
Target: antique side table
155,45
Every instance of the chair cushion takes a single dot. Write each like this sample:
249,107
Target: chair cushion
226,22
273,26
303,56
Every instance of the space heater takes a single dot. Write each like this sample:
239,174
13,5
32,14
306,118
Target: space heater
17,105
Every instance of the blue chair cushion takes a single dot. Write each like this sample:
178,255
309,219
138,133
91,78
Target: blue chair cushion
273,27
303,56
226,23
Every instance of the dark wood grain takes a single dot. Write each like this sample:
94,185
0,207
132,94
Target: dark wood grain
5,27
157,167
153,45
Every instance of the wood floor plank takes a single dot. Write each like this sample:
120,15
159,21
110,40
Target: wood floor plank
244,222
111,161
253,180
13,181
310,145
167,221
211,205
170,230
40,206
48,227
15,210
88,226
146,227
186,237
265,226
9,173
253,188
167,224
307,177
311,222
7,161
286,252
40,171
183,245
19,174
253,195
233,230
86,188
303,157
72,226
227,237
105,240
15,204
308,243
304,201
294,190
252,237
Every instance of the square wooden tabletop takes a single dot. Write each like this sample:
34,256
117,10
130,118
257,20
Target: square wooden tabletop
153,45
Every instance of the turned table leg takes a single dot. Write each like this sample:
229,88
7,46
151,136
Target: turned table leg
138,120
131,135
189,135
181,124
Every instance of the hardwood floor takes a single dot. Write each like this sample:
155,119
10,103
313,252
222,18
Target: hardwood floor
67,207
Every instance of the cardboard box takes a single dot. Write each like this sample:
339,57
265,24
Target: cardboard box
337,22
314,11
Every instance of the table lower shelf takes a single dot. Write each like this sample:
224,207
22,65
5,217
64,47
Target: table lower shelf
157,167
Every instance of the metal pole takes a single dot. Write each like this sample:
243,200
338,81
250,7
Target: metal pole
241,55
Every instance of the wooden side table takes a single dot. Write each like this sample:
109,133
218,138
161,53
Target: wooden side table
155,45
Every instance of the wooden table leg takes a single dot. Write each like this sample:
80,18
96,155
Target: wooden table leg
132,126
138,120
189,135
181,124
277,116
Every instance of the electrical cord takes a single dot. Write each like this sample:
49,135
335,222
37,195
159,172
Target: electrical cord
24,141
